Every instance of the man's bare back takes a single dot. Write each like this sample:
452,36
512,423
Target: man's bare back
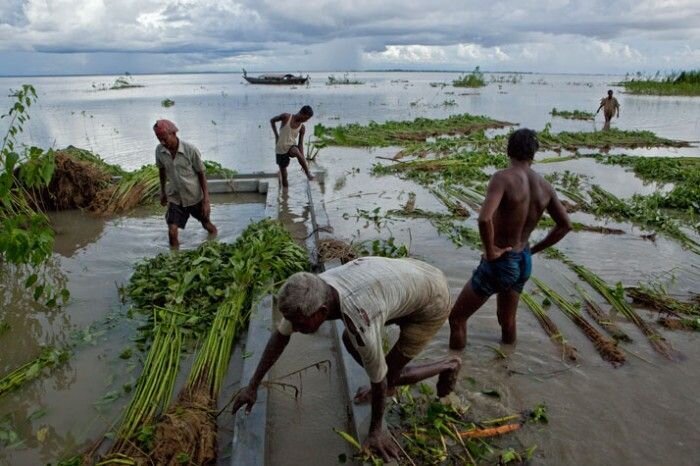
526,195
516,199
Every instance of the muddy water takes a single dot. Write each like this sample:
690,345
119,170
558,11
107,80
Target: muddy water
65,409
641,413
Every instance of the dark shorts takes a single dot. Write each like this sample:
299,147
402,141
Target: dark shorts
283,160
178,215
508,272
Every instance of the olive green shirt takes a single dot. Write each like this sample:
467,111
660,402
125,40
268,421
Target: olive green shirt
609,105
182,186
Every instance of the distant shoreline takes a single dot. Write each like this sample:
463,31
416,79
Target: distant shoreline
176,73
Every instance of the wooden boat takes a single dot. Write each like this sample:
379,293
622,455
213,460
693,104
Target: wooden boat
287,79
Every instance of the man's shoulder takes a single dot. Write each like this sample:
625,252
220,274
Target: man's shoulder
188,148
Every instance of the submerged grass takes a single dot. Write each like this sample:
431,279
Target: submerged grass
656,297
601,318
607,349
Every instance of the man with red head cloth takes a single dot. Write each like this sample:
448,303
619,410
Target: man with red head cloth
183,181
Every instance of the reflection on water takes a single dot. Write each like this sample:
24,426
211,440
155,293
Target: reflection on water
69,406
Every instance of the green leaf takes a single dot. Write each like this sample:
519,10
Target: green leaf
31,280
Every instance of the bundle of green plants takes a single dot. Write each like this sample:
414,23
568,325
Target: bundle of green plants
549,327
265,254
453,205
399,133
153,392
683,83
547,222
49,357
615,296
196,280
607,348
655,296
167,103
572,114
601,318
179,292
473,79
459,234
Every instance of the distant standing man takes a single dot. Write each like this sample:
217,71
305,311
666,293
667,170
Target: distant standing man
186,192
609,105
367,294
289,141
515,200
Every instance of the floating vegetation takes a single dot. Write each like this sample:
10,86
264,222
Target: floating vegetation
641,210
122,82
345,80
616,298
400,133
601,139
507,79
683,83
167,103
460,235
657,298
49,358
683,172
454,206
601,318
607,349
550,328
473,79
572,114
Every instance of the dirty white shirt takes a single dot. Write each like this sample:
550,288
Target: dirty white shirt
375,290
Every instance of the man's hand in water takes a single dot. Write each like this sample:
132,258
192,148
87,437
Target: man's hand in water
496,253
247,397
381,444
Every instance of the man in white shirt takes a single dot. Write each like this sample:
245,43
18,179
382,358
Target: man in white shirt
367,294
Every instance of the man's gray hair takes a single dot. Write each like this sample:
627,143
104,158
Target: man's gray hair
302,294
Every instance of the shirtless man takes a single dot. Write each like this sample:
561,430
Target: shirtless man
367,294
609,105
515,201
286,145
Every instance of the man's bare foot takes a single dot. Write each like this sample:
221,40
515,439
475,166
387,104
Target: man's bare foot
458,334
364,394
448,378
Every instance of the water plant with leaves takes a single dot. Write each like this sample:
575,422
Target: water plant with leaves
549,327
49,357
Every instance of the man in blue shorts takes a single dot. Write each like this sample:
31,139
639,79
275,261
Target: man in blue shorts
515,200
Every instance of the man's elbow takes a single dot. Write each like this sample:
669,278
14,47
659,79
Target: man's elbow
484,220
566,226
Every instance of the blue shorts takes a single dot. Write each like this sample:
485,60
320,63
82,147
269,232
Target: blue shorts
508,272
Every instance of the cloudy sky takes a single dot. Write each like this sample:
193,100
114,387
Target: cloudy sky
142,36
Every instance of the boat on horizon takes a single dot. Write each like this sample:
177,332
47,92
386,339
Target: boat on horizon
278,79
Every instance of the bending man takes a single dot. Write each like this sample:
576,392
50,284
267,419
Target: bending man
286,145
183,181
515,200
367,294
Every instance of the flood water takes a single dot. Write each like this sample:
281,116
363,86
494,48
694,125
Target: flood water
642,413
